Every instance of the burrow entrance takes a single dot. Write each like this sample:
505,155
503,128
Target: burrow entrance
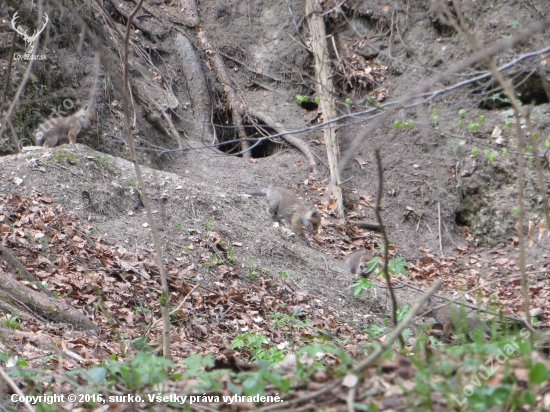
226,132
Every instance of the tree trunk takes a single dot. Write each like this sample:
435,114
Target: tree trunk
326,93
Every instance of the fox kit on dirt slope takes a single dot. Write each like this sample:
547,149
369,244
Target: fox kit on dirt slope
452,317
356,262
62,130
282,203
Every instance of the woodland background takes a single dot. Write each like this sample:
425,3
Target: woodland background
455,96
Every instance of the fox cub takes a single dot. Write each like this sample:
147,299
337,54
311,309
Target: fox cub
62,130
452,317
356,262
282,203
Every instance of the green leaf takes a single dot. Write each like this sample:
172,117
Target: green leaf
434,110
371,264
475,152
536,136
254,384
481,119
301,99
398,266
537,374
460,123
317,100
507,124
349,102
547,143
435,119
504,152
360,285
282,383
396,124
528,397
234,388
500,395
461,112
96,375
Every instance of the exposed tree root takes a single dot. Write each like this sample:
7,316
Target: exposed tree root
17,266
200,123
190,13
234,103
293,140
45,306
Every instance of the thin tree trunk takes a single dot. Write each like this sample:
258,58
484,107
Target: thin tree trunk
326,93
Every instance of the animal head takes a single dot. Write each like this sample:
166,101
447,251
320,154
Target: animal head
85,117
312,221
363,263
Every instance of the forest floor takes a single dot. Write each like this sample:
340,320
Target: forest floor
74,216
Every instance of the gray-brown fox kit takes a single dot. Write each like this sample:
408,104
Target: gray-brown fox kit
452,317
282,203
62,130
356,262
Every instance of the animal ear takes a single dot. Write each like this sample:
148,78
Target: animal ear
315,213
86,106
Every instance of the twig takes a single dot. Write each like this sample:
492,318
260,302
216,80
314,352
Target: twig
296,26
15,388
365,225
150,328
165,297
386,241
351,399
439,228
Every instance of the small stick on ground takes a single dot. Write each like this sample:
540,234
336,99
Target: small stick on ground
365,225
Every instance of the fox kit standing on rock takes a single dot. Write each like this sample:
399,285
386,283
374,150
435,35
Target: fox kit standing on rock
284,204
452,317
62,130
356,262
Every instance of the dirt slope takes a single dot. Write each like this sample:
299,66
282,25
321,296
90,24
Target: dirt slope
430,175
101,189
